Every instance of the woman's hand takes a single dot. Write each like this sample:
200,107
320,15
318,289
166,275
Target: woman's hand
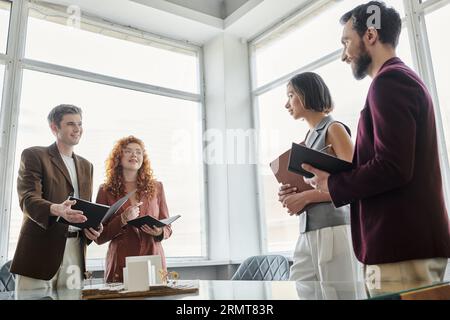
93,234
132,212
296,202
285,191
153,231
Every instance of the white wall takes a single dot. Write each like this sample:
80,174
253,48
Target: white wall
233,214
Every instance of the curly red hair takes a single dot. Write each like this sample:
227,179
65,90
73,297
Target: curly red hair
146,184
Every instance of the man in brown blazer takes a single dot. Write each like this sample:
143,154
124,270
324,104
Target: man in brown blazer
51,254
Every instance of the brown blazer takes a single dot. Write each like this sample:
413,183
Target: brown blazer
130,241
43,180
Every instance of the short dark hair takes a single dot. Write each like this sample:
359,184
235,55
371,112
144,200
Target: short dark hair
390,21
313,90
57,113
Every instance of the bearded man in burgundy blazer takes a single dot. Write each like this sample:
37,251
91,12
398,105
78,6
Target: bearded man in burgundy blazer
399,220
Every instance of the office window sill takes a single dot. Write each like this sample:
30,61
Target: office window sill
98,264
181,263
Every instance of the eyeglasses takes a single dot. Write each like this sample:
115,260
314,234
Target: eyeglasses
130,152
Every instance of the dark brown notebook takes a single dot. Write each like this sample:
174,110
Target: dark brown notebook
279,168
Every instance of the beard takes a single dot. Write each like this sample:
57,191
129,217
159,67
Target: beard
361,66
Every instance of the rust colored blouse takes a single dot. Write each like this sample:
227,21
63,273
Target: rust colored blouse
127,240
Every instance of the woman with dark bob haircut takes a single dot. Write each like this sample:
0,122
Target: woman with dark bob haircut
323,251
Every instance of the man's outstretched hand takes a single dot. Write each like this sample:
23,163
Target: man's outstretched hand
65,211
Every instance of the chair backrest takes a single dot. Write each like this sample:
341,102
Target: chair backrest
265,267
7,280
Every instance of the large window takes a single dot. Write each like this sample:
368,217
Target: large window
5,9
279,130
117,54
2,76
437,24
303,41
290,48
171,128
166,125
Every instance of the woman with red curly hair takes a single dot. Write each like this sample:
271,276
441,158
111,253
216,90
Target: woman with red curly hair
127,169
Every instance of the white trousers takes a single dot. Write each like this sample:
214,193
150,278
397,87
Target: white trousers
326,255
68,276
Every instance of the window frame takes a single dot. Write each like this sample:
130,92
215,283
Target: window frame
7,114
16,63
421,52
3,56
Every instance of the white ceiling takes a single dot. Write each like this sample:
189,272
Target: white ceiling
196,21
216,8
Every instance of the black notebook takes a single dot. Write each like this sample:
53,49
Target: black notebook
320,160
96,213
150,221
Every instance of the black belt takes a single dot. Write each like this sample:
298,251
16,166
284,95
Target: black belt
72,234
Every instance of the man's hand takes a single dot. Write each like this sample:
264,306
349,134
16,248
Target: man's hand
153,231
93,234
320,179
64,210
296,202
285,191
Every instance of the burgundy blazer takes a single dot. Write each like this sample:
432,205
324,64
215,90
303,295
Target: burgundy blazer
127,240
395,190
43,179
